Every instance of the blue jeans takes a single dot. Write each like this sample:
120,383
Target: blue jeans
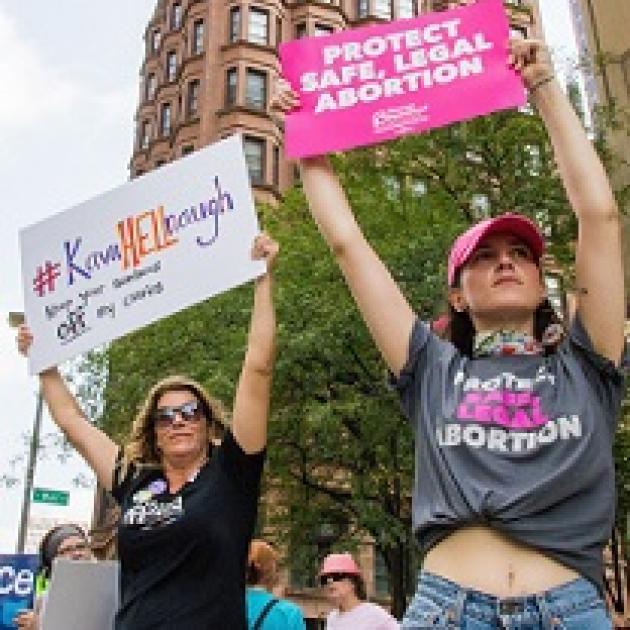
440,603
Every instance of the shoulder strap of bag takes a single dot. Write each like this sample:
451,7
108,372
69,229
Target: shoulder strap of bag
264,612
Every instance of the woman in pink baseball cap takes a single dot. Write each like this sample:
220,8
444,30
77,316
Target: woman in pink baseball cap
514,488
345,589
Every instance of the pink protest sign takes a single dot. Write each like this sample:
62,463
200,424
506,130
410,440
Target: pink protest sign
367,85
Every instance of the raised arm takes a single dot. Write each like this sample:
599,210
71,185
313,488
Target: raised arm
386,312
253,392
95,446
599,261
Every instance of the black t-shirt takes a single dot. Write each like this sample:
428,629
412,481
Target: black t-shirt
183,556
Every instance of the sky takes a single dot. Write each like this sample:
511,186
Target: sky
70,74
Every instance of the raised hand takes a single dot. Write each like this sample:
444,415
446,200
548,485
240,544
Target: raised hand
283,98
265,248
531,59
24,339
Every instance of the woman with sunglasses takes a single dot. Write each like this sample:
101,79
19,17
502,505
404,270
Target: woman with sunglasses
514,486
344,585
188,505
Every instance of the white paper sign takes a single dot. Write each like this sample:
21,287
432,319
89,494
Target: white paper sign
147,249
83,595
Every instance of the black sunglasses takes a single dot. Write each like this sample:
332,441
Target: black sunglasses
332,577
190,412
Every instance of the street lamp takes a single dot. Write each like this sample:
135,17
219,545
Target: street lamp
16,319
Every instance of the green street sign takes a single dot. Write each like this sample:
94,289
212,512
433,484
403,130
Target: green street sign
54,497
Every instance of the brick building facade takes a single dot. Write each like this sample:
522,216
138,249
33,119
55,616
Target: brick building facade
209,66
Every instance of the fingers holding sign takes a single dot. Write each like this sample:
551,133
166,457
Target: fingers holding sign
24,339
284,99
26,620
532,60
265,248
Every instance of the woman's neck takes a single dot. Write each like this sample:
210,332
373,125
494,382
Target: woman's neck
179,471
504,324
348,603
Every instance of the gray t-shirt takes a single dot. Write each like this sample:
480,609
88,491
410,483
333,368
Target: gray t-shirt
520,443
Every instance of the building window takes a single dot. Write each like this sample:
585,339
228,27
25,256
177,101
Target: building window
235,24
193,97
406,8
176,15
278,31
258,27
165,119
256,89
418,187
145,135
276,165
150,87
321,30
480,206
231,86
300,30
381,574
556,294
518,32
383,9
171,66
156,37
363,8
254,149
187,149
197,38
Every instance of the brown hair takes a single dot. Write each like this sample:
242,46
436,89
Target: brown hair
141,449
359,586
262,564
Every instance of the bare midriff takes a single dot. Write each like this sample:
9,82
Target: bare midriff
483,559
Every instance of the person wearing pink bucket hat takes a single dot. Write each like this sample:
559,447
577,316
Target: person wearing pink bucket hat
345,589
509,223
513,496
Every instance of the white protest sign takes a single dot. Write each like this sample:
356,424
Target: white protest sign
133,255
83,595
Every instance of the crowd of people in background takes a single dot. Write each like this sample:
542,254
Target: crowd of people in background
339,576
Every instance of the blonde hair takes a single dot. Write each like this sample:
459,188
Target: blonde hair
141,450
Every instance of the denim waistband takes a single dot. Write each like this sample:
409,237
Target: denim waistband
560,600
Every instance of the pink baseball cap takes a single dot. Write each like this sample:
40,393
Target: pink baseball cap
517,224
339,563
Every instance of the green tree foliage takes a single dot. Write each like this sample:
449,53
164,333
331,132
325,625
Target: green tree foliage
341,455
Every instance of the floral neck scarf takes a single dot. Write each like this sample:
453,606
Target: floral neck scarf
501,343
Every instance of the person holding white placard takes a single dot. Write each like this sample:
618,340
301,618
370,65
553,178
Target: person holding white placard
187,485
68,541
514,420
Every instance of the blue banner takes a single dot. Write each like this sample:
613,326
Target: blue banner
17,586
